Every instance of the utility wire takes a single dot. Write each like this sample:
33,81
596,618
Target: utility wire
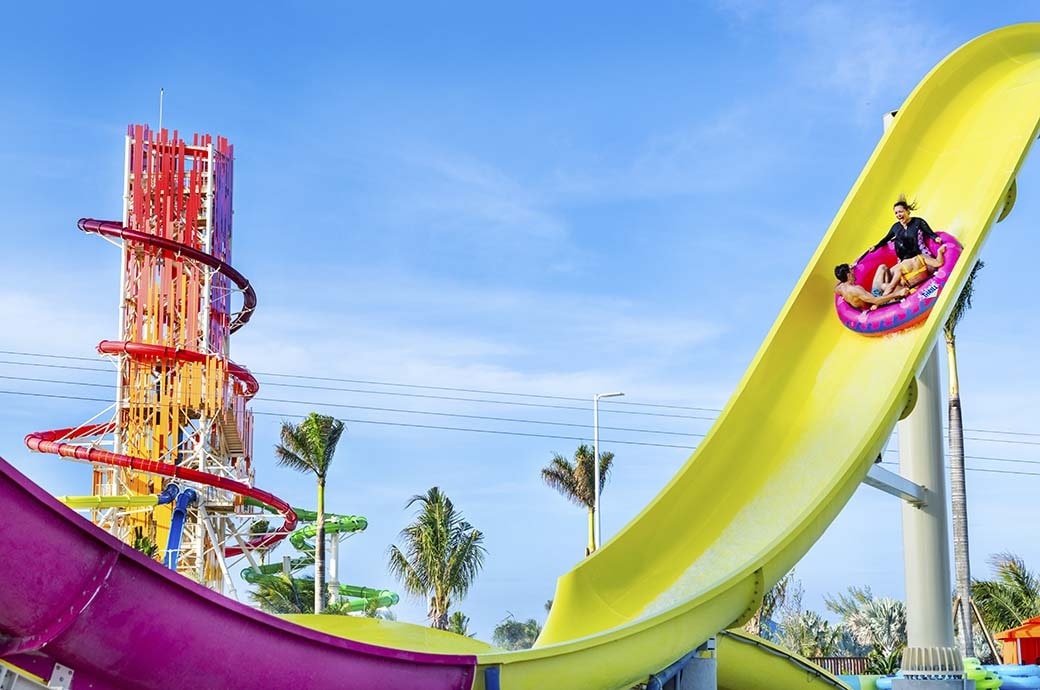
500,432
456,415
370,408
469,390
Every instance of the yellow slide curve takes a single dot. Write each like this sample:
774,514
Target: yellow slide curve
785,455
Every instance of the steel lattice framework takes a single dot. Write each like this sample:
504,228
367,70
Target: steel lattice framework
181,404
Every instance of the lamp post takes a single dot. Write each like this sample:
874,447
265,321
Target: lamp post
595,461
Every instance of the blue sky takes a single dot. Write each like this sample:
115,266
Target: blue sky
537,199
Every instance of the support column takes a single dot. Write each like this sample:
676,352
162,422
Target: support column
333,566
926,533
930,661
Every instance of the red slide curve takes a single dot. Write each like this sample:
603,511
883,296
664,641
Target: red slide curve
61,441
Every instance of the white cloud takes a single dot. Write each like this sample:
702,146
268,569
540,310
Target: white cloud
457,192
697,158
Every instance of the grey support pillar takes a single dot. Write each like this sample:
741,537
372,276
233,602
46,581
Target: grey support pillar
926,533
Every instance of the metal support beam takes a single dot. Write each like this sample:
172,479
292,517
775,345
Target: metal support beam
896,485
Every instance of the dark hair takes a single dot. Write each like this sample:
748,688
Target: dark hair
841,272
908,205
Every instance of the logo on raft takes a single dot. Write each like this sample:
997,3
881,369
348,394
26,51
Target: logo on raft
929,292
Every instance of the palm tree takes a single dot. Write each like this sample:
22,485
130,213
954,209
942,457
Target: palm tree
442,556
576,481
512,634
1012,597
808,634
458,623
309,447
958,494
881,623
279,594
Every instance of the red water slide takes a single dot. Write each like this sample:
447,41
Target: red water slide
63,442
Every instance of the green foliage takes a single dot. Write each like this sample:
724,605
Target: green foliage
772,602
576,480
1012,597
879,663
808,634
963,304
260,527
871,627
281,595
458,623
442,555
512,634
880,623
144,544
847,603
309,447
374,610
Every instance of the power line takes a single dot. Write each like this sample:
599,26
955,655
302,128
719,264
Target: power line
394,410
455,415
981,469
502,432
413,395
470,390
404,385
499,432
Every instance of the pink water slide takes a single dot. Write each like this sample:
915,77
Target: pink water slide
85,586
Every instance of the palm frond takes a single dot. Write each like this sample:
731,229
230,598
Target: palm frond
963,304
442,553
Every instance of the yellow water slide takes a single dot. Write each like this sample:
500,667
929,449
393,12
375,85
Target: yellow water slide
810,414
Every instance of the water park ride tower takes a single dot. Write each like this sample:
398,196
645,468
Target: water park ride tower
176,401
180,408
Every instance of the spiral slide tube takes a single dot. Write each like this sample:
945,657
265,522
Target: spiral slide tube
60,442
334,524
777,467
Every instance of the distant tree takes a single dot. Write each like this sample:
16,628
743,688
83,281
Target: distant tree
808,634
511,634
374,610
958,492
458,623
576,482
442,555
1012,597
772,602
881,623
309,447
281,595
848,603
144,544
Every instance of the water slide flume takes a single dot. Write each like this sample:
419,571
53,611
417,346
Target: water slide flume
779,464
357,598
180,514
60,442
65,442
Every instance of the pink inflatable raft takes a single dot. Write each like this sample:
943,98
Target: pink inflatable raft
910,310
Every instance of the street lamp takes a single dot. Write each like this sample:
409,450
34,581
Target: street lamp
595,461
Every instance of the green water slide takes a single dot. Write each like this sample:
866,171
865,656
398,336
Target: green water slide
352,597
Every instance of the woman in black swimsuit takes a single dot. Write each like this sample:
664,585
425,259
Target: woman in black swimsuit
908,234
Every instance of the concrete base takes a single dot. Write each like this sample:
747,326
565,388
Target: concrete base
914,684
698,674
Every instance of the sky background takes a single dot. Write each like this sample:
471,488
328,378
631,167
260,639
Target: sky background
537,199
